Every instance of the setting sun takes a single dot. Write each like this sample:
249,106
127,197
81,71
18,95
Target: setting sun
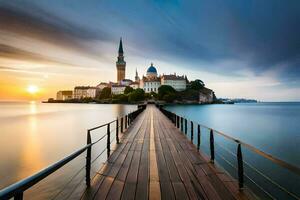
32,89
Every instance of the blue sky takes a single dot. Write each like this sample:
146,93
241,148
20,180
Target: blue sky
239,49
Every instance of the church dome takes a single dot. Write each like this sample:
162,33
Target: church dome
151,72
152,69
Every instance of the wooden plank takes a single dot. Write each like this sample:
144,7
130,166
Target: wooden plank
116,190
104,188
91,191
180,192
157,161
142,190
154,193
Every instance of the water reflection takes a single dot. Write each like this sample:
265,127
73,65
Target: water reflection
32,107
35,135
31,159
119,109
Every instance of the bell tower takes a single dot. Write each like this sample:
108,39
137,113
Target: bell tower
121,64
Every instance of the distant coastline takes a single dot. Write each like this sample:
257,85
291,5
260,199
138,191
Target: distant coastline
237,100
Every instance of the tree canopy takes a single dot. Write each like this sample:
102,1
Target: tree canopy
167,93
136,95
105,93
197,84
128,89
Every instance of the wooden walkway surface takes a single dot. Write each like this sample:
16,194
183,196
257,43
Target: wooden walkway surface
156,161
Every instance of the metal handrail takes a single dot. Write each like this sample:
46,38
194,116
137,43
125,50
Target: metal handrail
26,183
178,122
16,190
278,161
270,157
97,127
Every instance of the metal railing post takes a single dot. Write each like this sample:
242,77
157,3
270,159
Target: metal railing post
174,118
108,140
192,131
18,196
181,123
212,146
240,166
198,137
88,160
178,121
117,131
185,127
125,121
122,124
128,120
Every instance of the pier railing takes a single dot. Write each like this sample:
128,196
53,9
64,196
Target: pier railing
227,150
119,125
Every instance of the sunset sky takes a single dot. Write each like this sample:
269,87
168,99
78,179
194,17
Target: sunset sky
247,49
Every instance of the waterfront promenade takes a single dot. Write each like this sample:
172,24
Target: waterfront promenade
156,161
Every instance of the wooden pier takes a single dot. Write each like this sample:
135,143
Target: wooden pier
154,160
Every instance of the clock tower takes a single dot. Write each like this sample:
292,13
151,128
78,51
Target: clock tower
121,64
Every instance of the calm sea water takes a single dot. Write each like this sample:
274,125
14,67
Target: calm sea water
35,135
271,127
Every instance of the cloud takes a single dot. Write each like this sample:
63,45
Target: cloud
236,40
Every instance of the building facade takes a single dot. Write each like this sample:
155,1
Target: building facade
135,85
121,64
126,82
64,95
150,82
84,92
92,92
102,85
177,82
117,89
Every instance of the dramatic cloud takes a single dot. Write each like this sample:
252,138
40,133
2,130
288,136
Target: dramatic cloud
235,40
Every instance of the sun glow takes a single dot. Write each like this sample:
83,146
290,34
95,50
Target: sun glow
32,89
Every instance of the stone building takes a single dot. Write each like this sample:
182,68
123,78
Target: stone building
102,85
177,82
85,91
117,89
150,82
64,95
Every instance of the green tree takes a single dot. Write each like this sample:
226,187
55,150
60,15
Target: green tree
105,93
128,89
197,84
120,98
136,95
153,95
170,97
164,90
